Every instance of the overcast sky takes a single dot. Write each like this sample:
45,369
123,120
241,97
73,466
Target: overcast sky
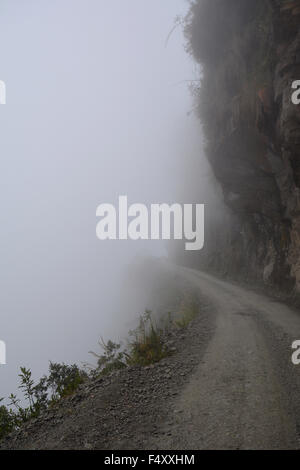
96,107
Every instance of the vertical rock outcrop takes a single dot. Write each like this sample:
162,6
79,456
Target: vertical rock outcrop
250,53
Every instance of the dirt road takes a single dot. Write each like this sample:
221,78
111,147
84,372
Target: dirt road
230,385
245,392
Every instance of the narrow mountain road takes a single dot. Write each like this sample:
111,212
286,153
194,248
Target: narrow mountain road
245,392
230,384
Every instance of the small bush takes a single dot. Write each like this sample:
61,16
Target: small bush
62,381
187,312
6,421
111,359
147,346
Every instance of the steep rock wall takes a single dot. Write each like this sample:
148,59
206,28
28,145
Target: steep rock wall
250,53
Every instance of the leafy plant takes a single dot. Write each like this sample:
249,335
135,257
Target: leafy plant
6,421
62,381
147,346
188,309
187,315
112,358
27,385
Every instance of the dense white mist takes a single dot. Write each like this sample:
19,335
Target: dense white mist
95,109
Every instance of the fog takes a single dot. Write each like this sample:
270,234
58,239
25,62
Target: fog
97,106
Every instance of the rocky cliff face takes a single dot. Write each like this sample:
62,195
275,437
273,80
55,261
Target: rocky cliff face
250,53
